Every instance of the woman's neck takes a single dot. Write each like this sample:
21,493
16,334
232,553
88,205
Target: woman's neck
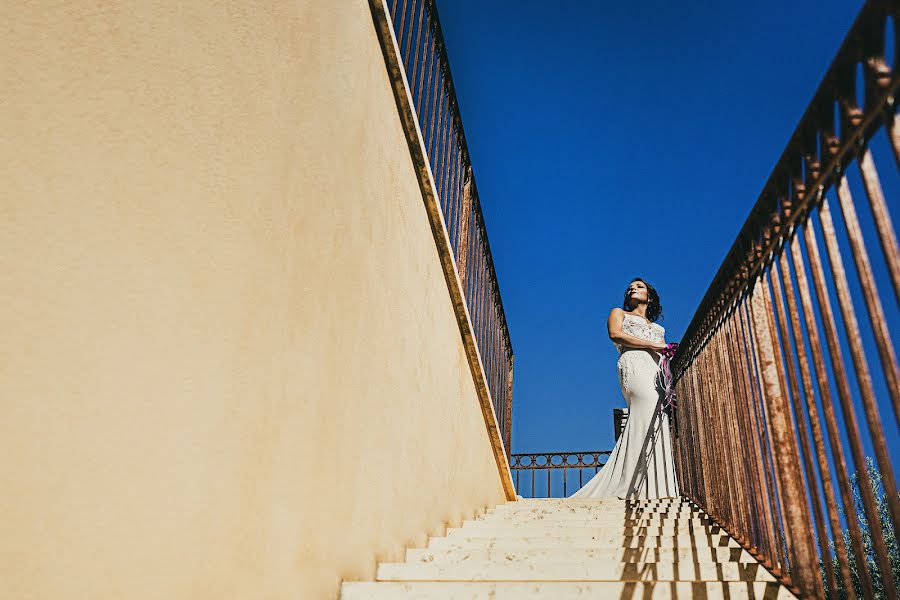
640,310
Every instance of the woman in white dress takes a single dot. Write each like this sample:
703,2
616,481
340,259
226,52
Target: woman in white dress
641,464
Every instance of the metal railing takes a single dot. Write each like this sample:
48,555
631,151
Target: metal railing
427,73
562,463
769,411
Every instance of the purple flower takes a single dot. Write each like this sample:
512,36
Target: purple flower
670,349
668,400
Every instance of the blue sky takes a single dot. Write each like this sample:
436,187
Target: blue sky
613,140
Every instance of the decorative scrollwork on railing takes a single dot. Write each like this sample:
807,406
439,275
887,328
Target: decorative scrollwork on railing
561,462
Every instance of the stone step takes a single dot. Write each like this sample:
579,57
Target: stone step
547,505
606,507
583,554
543,528
599,521
602,500
565,520
595,541
591,571
518,508
606,516
492,530
562,590
591,516
594,502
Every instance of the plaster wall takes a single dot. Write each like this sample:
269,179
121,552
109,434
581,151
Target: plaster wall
229,364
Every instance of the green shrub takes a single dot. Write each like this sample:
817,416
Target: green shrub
887,531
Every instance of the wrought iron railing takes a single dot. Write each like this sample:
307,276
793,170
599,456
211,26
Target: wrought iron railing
768,411
426,69
561,464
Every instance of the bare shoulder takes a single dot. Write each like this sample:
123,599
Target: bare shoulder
616,312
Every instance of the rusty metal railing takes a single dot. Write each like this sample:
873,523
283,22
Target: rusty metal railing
769,411
427,72
562,463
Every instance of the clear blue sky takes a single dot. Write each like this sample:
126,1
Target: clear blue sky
613,140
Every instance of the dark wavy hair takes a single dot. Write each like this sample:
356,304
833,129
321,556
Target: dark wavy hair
654,308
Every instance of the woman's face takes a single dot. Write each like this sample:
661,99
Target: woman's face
637,293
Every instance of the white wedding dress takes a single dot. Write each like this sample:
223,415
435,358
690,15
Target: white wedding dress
641,464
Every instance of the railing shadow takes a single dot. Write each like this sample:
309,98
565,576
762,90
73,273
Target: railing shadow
641,558
652,437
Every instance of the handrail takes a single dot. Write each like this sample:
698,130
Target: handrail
426,71
752,371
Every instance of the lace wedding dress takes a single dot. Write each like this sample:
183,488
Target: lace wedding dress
641,464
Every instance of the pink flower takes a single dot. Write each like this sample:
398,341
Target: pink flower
670,349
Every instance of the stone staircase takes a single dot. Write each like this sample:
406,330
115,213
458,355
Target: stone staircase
566,548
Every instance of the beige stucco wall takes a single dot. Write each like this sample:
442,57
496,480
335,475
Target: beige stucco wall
229,366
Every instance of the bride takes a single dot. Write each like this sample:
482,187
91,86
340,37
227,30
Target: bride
641,464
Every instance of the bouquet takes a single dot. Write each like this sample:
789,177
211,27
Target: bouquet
664,379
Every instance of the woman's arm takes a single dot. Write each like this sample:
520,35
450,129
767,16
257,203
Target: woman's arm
614,327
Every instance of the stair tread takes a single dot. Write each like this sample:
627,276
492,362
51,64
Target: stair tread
580,526
594,571
562,590
582,532
584,554
585,541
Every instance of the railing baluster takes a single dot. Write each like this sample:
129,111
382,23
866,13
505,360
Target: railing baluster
800,425
818,439
437,120
412,52
752,458
445,156
737,451
861,259
394,4
760,437
401,28
422,76
549,467
509,401
431,100
837,453
804,564
462,256
864,380
883,224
